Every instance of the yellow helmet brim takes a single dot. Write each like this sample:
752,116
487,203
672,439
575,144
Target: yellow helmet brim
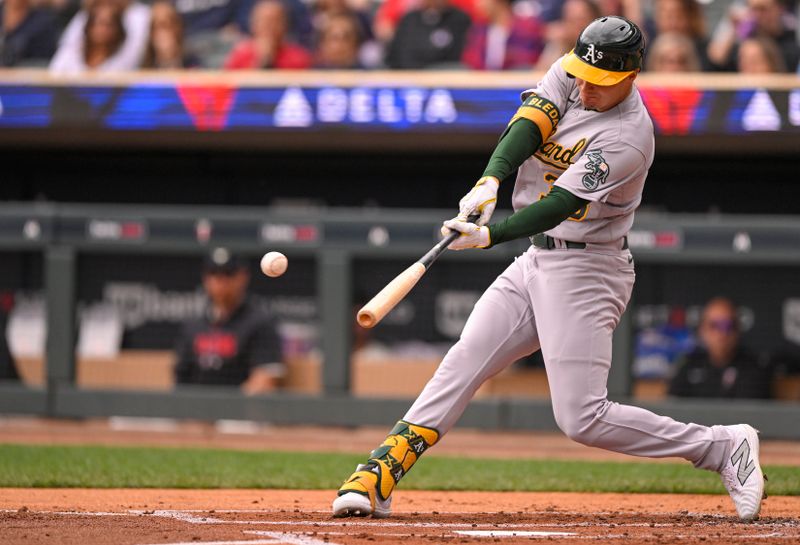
579,68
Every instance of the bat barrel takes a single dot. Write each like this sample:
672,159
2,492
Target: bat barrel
386,299
380,305
366,318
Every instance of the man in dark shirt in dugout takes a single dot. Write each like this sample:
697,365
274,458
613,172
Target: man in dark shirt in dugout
235,342
721,366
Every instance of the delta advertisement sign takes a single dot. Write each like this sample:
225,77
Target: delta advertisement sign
388,109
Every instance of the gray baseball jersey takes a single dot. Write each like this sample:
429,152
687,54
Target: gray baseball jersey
566,301
602,157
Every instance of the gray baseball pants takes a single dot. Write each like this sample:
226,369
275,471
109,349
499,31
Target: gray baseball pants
567,303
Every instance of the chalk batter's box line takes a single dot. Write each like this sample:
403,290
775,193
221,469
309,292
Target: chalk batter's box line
465,513
193,519
183,515
396,513
188,515
306,538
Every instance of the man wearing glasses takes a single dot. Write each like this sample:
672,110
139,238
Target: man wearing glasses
721,367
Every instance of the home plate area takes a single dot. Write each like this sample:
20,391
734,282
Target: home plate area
299,527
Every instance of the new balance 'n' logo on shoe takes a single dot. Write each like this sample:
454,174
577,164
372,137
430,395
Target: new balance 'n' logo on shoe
741,459
742,474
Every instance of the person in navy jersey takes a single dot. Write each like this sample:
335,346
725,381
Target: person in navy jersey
432,36
27,33
235,342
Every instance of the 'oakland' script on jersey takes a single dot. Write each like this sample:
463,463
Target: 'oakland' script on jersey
602,157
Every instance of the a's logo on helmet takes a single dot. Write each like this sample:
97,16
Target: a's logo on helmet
598,170
592,55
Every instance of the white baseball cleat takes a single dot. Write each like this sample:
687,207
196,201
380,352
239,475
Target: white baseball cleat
742,474
353,504
358,496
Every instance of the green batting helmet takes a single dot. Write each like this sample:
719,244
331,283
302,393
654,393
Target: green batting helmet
607,51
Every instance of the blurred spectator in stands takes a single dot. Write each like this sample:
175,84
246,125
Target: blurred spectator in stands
505,41
213,28
165,49
8,368
64,10
370,51
269,45
27,34
721,366
235,343
766,18
672,52
298,15
102,40
432,36
683,17
326,9
632,9
338,43
547,11
390,13
561,35
225,16
759,55
105,36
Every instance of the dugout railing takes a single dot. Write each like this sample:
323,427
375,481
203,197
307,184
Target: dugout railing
59,236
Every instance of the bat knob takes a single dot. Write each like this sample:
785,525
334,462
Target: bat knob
366,319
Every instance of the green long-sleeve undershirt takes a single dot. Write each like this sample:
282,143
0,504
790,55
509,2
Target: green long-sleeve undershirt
519,141
517,144
538,217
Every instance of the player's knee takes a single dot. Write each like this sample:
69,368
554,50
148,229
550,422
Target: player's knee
577,423
572,424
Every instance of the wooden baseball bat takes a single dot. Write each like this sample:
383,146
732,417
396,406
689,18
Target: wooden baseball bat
394,292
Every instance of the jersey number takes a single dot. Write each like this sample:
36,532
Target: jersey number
579,214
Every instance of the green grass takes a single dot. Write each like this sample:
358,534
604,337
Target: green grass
112,467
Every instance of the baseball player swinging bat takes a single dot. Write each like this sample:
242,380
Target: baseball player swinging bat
394,292
575,194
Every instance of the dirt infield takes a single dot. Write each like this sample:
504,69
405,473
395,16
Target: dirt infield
255,517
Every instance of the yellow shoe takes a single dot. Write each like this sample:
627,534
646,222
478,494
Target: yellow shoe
359,497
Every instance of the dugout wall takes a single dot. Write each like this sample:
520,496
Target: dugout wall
90,253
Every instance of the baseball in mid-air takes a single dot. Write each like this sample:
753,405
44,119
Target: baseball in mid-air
274,264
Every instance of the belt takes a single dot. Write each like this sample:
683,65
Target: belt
546,242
